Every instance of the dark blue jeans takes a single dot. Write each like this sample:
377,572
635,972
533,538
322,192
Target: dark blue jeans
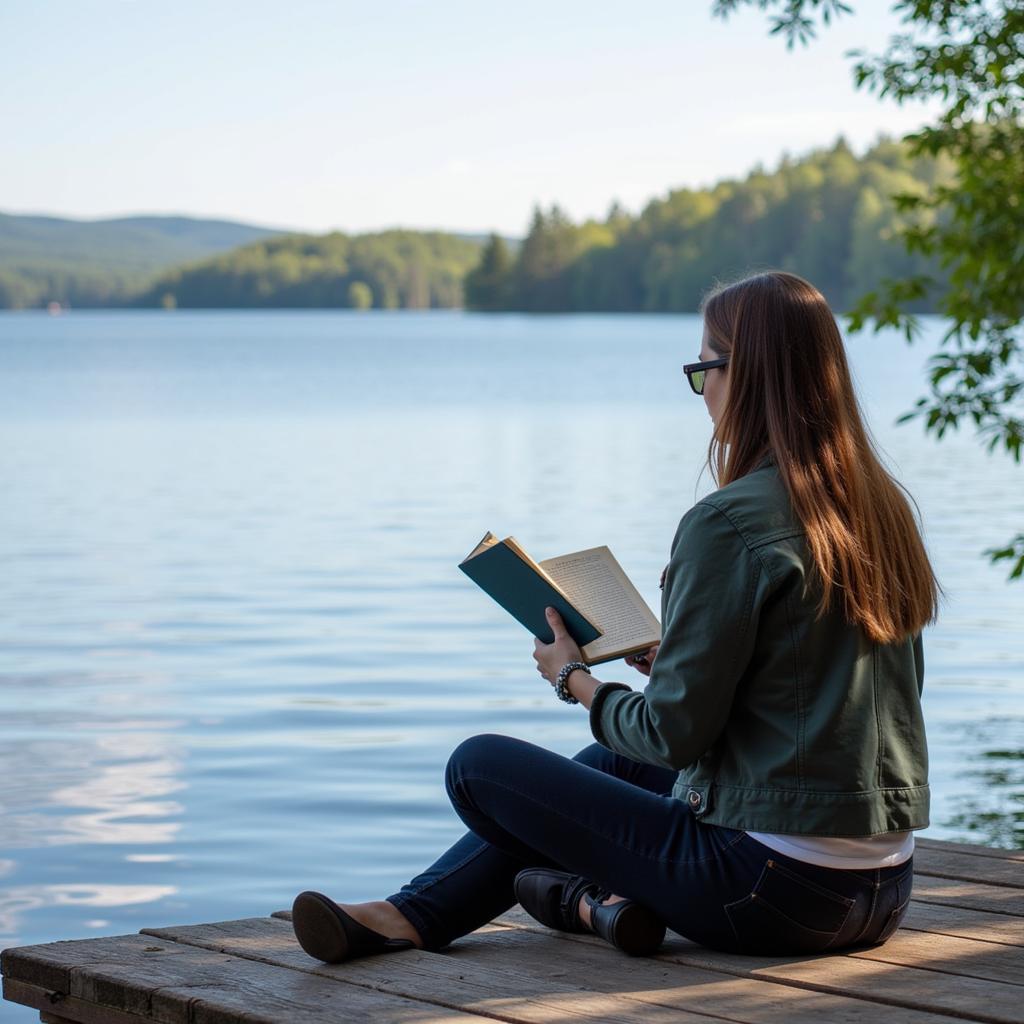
612,820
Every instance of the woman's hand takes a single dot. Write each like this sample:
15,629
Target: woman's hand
643,662
551,657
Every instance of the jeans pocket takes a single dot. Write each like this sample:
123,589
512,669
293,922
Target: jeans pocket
786,914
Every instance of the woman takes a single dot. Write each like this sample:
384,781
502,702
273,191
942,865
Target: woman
760,794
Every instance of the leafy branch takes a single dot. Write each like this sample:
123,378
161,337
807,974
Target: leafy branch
970,55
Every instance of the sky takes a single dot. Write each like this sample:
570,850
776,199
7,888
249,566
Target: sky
320,116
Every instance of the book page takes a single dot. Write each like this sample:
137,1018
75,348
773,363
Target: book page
595,583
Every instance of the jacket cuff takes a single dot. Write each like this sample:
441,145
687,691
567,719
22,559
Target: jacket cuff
601,694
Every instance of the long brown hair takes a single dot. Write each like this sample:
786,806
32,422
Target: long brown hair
791,397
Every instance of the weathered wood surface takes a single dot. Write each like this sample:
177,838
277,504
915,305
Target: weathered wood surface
958,956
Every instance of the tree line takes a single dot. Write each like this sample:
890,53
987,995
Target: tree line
30,287
828,216
385,270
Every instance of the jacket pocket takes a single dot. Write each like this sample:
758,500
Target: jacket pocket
786,914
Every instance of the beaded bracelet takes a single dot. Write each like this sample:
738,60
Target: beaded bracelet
562,684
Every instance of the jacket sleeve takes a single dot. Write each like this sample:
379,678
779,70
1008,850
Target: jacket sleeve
709,622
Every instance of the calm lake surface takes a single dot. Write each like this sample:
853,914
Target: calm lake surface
235,648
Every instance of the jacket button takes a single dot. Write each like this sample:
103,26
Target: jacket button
693,799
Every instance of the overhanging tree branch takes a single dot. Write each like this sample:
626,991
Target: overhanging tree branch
970,55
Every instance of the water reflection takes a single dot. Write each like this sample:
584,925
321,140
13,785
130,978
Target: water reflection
126,790
18,901
61,792
101,789
993,809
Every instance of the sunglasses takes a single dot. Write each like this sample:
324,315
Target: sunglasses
697,373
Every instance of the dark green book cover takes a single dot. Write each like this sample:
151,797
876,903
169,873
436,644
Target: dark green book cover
524,593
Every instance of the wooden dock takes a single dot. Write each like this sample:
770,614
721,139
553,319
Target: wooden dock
959,955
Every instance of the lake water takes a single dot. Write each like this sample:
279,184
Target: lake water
235,648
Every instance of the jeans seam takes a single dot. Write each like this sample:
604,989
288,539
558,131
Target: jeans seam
404,900
869,919
597,832
838,932
455,867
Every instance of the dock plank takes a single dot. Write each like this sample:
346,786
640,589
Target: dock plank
534,975
72,1010
949,954
994,852
958,956
173,983
548,989
968,867
905,983
996,899
965,923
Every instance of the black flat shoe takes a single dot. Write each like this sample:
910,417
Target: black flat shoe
327,933
552,897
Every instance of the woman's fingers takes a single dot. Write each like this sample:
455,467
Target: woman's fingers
556,623
642,662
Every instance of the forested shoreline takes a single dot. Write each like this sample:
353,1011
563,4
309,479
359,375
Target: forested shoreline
384,270
828,215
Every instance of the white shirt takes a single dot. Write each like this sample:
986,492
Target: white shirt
883,851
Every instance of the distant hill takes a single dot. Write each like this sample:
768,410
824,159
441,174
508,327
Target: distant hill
103,262
384,270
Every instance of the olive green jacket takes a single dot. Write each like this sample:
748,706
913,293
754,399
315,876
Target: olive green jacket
776,721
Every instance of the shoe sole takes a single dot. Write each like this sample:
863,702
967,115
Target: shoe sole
318,929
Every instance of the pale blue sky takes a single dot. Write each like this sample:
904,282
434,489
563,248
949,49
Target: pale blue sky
317,115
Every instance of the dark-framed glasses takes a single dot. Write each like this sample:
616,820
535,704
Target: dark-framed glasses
697,373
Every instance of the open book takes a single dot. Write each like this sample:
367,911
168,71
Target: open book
602,610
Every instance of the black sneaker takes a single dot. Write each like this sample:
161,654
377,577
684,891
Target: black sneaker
552,898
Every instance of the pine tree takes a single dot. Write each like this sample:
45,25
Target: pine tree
487,285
